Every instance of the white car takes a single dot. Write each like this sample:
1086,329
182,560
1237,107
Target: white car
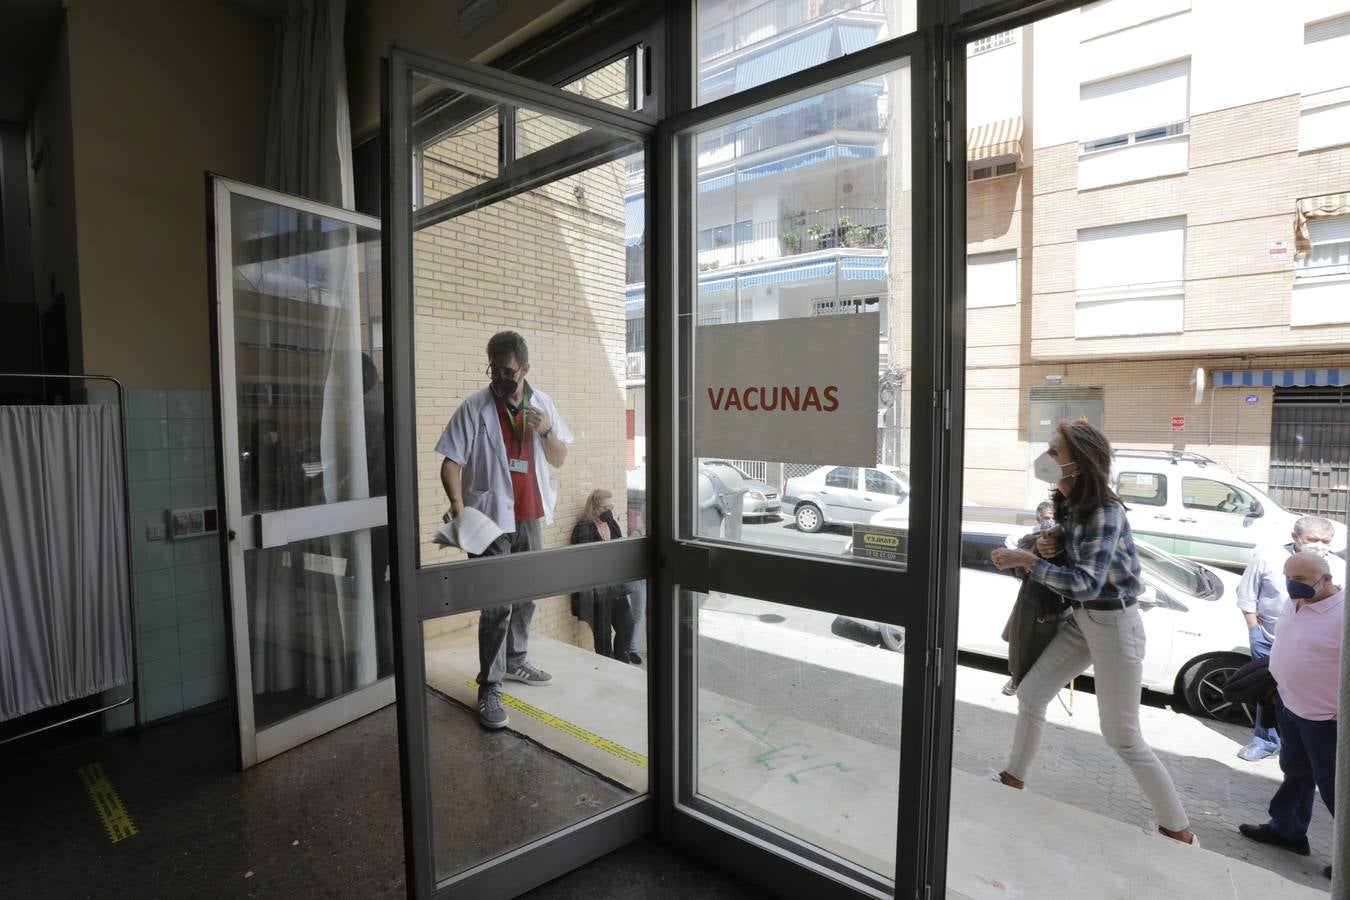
1194,507
1196,637
842,495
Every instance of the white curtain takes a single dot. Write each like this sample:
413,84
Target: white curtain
312,608
65,629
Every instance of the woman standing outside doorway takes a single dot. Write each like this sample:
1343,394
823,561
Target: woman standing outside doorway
1100,580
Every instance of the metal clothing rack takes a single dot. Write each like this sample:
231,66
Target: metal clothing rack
67,398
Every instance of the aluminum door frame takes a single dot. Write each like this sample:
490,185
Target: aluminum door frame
420,593
779,861
242,533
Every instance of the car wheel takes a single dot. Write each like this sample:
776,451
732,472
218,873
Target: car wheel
1202,686
893,638
809,519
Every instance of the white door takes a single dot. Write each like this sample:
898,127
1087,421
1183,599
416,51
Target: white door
297,300
1215,521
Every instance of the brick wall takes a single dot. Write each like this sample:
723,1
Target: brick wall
548,263
1245,176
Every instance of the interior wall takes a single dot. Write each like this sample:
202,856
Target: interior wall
161,92
430,26
51,195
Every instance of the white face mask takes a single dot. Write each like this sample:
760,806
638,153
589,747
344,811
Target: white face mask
1046,469
1317,547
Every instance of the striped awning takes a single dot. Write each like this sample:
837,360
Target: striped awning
792,56
995,139
1273,378
1326,206
634,219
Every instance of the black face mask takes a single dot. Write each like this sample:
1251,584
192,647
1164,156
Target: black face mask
505,388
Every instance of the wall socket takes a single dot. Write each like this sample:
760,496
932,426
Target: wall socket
193,521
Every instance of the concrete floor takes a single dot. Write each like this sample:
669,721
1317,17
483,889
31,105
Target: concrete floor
323,820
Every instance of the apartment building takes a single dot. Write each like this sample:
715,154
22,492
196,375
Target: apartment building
792,209
1159,232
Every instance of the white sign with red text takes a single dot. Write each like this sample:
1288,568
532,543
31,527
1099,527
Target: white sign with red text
793,390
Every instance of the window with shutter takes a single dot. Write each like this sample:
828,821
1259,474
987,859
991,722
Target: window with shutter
1324,78
1130,278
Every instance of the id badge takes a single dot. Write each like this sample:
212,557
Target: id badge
522,466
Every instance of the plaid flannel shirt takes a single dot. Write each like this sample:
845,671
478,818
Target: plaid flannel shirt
1103,564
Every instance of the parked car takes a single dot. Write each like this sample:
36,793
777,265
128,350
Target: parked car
761,499
1195,636
1189,505
842,495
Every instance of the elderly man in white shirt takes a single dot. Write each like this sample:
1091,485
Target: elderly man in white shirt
1261,596
498,447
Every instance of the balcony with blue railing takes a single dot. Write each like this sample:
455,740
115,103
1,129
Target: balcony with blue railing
747,242
718,40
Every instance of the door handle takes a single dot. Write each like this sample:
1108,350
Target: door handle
1163,518
1189,521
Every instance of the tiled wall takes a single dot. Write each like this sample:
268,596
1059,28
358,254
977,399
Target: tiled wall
180,626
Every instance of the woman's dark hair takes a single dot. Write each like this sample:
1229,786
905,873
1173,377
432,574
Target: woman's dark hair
1091,453
505,343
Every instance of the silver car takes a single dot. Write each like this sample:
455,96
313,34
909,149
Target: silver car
761,499
842,495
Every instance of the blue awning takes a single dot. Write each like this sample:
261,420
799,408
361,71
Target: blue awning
853,38
634,219
864,268
716,285
785,274
1273,378
802,53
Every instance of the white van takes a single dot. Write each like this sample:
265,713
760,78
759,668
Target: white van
1189,505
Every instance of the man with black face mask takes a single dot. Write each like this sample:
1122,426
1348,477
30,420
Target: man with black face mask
498,447
1305,662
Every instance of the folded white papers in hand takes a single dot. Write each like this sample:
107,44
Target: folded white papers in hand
472,532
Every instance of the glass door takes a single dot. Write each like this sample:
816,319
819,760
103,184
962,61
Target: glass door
302,446
809,425
515,327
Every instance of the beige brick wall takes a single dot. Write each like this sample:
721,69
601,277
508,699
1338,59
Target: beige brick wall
548,263
1245,177
1239,195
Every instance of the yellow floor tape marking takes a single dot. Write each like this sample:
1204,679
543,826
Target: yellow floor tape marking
108,804
632,757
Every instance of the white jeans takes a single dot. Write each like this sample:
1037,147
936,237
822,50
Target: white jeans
1112,642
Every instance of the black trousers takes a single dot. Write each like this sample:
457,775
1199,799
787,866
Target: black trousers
611,619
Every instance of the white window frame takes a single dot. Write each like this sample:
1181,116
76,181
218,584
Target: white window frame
1165,130
1335,233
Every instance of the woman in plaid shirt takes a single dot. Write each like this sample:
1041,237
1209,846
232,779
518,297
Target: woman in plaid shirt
1094,567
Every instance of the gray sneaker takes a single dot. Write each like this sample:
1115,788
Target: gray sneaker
527,674
491,713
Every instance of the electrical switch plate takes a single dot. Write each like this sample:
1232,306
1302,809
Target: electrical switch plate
155,532
193,521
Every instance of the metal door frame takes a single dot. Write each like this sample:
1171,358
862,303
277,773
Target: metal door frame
782,862
243,533
428,592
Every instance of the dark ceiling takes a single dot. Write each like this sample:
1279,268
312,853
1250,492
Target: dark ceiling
28,31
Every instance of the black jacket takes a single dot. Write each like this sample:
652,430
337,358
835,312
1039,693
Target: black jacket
585,532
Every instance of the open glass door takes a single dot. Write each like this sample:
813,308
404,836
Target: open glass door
297,291
515,252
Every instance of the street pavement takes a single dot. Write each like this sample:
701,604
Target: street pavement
1074,765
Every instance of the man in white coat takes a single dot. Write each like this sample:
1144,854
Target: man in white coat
498,447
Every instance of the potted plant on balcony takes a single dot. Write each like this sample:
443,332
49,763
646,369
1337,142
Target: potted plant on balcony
814,232
857,235
791,242
841,230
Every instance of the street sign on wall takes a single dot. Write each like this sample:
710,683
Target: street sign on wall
1178,423
802,390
